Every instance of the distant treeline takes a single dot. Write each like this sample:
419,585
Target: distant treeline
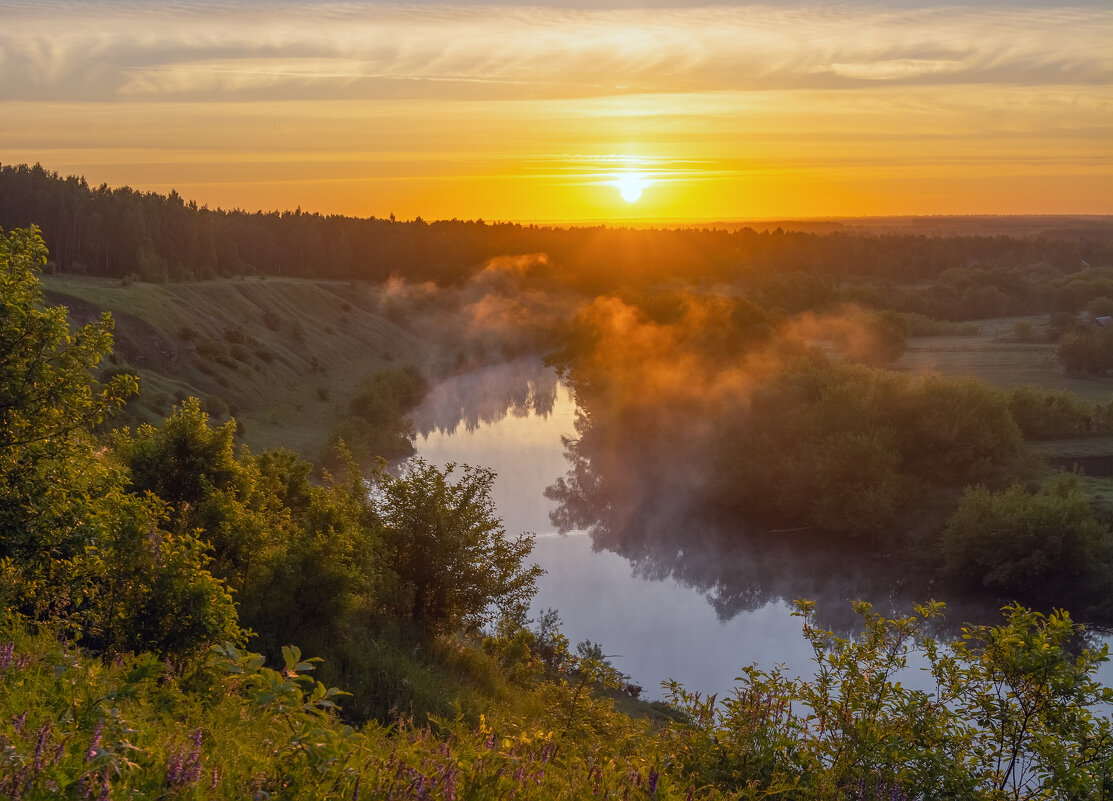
121,232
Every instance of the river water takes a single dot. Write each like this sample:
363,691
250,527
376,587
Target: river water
663,609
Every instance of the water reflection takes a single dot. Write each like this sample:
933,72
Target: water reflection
739,567
647,503
521,387
677,591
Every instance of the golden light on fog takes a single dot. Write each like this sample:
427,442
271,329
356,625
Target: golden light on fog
631,185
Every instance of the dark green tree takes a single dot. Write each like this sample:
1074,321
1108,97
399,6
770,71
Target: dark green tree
73,544
1087,349
194,468
48,402
455,563
1029,544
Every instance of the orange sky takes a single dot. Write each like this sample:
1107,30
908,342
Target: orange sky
534,113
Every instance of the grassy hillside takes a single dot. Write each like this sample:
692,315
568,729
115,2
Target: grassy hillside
284,356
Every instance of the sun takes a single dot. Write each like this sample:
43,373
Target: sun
631,185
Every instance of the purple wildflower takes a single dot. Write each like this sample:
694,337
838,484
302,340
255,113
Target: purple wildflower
355,794
184,769
17,723
653,776
6,651
174,768
44,732
17,783
94,746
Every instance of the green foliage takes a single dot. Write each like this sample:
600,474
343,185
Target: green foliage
323,574
388,394
1029,544
48,401
304,558
1014,715
194,468
73,727
1042,414
453,559
376,425
843,446
149,589
1087,350
1031,706
80,549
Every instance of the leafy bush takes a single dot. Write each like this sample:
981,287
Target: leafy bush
376,426
1087,350
388,394
453,559
1028,544
993,728
1042,414
843,446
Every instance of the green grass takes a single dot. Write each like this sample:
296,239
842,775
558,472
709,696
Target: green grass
995,356
284,356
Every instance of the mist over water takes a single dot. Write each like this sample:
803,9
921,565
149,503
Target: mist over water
670,589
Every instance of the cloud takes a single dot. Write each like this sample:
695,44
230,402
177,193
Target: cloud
358,51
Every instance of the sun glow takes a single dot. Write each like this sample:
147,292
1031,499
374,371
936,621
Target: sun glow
631,185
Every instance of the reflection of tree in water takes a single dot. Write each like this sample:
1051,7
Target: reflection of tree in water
644,507
518,387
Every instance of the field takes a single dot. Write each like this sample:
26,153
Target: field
996,356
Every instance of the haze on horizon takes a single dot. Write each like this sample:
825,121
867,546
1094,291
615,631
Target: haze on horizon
562,111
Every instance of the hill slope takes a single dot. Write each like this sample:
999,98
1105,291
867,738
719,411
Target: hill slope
284,356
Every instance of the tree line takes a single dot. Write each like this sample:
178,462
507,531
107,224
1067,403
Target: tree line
121,232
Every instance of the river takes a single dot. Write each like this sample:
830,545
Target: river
663,609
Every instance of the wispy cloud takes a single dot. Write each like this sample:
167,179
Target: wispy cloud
192,51
528,112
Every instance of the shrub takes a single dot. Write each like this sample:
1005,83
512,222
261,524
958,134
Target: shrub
1052,415
1028,544
1087,350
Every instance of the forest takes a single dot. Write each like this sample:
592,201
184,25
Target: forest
121,232
170,592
